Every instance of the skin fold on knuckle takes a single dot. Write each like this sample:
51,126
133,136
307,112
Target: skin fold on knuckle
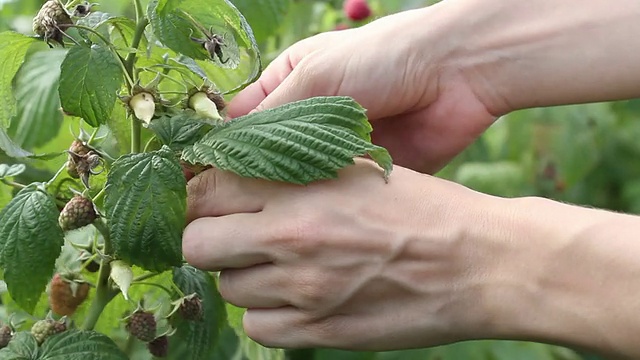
201,192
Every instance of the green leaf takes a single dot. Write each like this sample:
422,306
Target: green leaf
166,6
10,148
145,203
13,49
11,170
80,345
299,143
39,118
179,130
201,336
89,80
30,242
191,18
264,16
23,346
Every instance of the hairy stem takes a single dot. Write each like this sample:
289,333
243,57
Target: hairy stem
104,292
141,24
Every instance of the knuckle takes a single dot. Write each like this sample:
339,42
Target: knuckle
311,290
201,190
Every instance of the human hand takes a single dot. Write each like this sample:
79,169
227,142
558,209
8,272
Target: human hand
392,67
349,263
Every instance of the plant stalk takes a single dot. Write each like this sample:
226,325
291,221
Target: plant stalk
104,292
141,24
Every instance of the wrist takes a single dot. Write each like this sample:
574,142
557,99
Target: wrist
520,54
563,274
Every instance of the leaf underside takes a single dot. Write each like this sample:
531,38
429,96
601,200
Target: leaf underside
299,143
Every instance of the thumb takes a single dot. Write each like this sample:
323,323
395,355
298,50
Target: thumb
305,81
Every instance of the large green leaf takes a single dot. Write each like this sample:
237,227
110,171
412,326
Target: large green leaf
89,80
299,143
23,346
80,345
39,117
30,242
200,336
191,18
264,16
145,203
13,49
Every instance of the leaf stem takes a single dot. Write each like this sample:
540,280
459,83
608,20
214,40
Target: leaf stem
62,168
13,184
162,287
146,276
99,195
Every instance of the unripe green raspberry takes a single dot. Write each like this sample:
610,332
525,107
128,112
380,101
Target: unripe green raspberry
42,329
77,213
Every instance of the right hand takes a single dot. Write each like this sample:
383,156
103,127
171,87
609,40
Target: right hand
422,112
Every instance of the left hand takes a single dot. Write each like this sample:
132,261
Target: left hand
350,263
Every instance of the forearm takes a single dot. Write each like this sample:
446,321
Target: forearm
566,275
521,54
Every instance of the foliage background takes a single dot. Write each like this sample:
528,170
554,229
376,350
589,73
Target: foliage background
582,154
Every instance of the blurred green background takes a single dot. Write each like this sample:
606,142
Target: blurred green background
582,154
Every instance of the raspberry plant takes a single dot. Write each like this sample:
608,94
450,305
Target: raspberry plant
149,95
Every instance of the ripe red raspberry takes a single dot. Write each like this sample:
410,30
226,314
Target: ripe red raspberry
6,334
142,324
159,347
357,10
77,213
65,295
42,329
191,308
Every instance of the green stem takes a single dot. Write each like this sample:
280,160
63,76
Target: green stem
169,292
99,195
62,168
141,24
104,292
13,184
146,276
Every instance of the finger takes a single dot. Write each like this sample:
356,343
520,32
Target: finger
273,77
289,327
259,286
215,193
249,98
232,241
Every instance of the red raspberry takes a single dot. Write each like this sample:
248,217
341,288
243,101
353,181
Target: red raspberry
142,325
6,334
159,347
65,295
77,213
191,308
357,10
